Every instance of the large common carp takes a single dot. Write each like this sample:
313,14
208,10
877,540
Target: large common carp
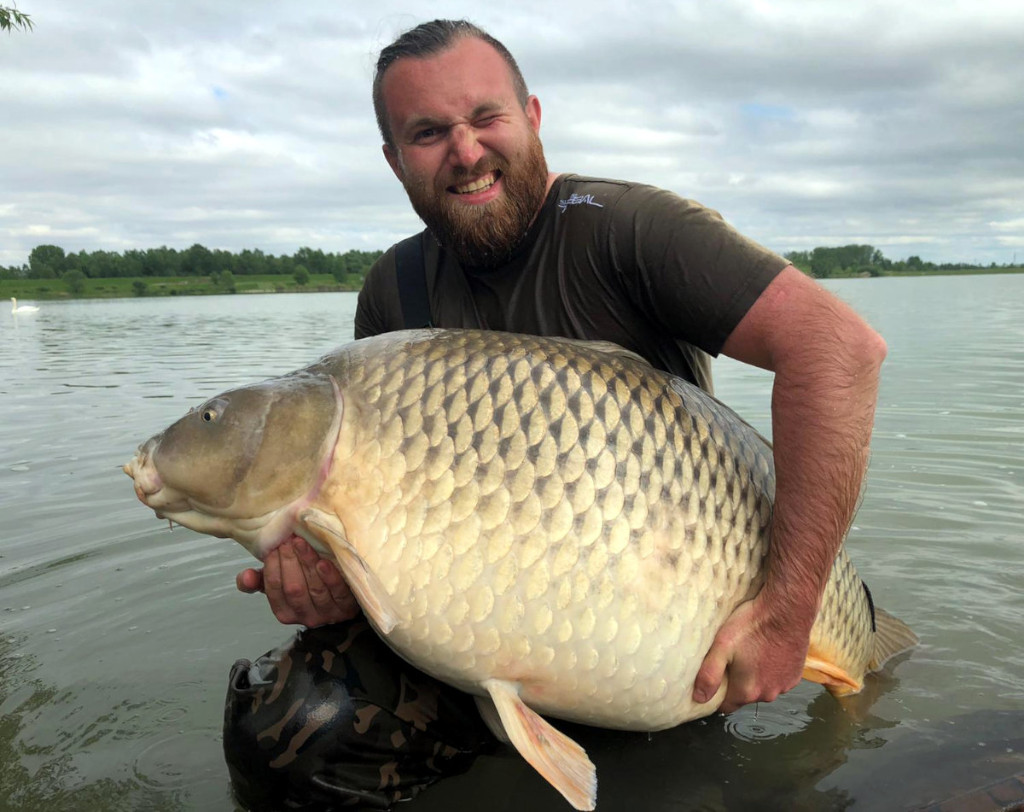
553,525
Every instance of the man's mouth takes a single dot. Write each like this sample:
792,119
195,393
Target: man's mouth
478,185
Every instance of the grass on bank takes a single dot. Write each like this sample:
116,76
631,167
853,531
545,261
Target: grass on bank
121,288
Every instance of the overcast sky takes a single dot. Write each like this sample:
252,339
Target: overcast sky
249,124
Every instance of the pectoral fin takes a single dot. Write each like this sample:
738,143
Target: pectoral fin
361,580
560,760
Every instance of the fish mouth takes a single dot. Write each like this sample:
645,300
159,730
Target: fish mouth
480,184
150,488
257,534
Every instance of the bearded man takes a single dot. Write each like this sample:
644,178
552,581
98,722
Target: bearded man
511,246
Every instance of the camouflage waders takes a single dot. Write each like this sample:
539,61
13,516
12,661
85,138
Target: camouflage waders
336,720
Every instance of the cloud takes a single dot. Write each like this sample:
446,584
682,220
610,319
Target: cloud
249,124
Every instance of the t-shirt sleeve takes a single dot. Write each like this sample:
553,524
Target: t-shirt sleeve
681,263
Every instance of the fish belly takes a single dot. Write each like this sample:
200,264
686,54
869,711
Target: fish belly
574,522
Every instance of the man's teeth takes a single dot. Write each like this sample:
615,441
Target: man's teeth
477,185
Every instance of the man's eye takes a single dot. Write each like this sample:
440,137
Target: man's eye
426,135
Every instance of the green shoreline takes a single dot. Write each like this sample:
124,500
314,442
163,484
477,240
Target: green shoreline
125,288
160,286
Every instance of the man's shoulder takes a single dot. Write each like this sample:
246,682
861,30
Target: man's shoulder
610,193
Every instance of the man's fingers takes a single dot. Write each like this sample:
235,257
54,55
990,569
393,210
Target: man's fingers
709,678
274,579
318,591
249,580
331,597
341,594
300,586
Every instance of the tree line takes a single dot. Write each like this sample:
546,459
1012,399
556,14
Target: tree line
349,268
866,260
51,262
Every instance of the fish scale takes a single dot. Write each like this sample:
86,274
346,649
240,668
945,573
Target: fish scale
554,526
616,405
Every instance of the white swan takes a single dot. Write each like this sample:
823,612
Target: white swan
23,308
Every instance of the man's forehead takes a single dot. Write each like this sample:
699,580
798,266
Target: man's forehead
467,50
470,68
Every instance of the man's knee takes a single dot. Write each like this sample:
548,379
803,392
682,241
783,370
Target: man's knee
334,717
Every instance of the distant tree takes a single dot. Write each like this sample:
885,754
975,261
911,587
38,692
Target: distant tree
251,262
11,18
314,261
139,287
301,275
75,280
225,280
224,260
162,261
103,264
46,262
132,264
197,261
824,262
800,259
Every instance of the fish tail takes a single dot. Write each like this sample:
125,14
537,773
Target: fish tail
892,637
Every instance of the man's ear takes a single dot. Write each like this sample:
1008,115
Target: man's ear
394,161
533,112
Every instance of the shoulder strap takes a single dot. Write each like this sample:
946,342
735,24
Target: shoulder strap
411,275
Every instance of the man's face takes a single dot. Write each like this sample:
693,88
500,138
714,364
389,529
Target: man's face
467,153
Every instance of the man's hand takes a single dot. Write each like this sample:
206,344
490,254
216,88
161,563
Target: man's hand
300,586
763,657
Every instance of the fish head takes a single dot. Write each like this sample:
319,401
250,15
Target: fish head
244,463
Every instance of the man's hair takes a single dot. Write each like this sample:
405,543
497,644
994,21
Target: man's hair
428,39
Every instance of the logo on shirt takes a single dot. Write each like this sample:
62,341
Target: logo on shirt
578,200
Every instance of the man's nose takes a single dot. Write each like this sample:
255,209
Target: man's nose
465,150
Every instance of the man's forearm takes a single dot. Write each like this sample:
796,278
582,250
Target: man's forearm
823,406
826,361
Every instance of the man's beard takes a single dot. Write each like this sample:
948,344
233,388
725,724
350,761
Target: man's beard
484,236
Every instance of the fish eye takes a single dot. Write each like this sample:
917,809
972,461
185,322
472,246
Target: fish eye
211,411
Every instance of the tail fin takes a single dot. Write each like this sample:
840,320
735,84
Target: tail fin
892,637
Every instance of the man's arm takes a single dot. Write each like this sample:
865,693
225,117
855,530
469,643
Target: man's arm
826,361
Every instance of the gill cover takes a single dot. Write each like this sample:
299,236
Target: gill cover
251,450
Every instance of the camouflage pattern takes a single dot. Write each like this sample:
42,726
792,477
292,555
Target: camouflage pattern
335,720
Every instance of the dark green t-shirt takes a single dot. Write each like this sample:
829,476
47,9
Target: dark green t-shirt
604,260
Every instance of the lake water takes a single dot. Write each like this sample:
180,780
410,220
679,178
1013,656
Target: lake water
116,635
